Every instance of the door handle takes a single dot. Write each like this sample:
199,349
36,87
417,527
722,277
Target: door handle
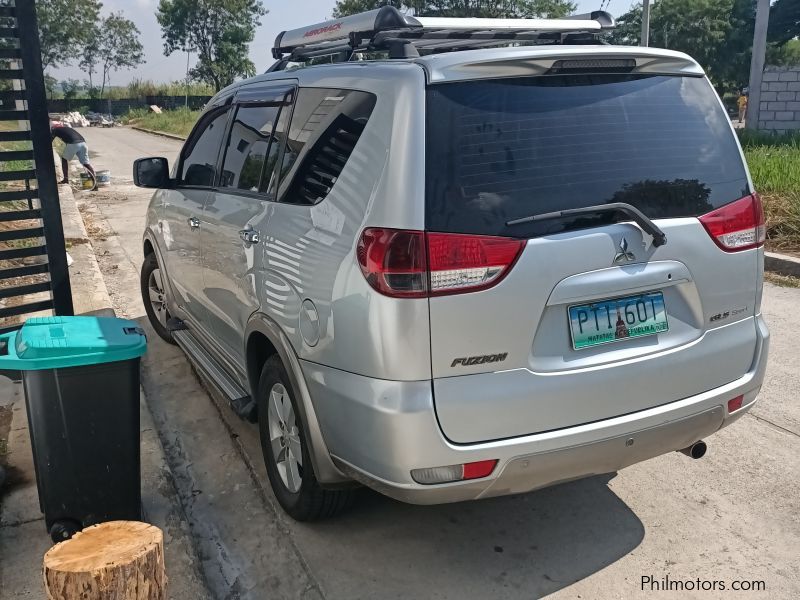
194,222
249,236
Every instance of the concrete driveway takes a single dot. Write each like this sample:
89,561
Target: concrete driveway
733,516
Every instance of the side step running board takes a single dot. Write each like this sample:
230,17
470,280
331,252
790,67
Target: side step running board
240,401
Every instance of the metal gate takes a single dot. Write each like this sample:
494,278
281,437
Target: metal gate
33,262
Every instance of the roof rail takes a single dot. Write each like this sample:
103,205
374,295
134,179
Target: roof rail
376,29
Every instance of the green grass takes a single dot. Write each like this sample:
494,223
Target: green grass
178,122
774,162
13,165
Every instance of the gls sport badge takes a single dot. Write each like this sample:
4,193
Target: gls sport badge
479,360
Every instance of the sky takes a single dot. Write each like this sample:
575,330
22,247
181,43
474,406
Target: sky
283,15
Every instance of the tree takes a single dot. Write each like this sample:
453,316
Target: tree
112,44
91,53
697,27
784,21
119,46
70,87
716,33
64,27
787,55
50,86
219,31
464,8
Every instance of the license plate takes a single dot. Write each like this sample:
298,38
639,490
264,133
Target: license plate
617,319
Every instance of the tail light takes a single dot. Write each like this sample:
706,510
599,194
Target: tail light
417,264
738,225
451,473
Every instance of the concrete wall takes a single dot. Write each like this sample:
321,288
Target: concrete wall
119,107
780,99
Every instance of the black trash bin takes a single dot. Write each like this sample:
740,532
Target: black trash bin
81,380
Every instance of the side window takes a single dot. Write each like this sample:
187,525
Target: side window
251,147
326,125
199,166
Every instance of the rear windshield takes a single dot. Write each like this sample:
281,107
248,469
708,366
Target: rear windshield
499,150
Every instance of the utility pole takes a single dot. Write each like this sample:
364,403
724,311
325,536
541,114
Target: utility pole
757,64
645,23
186,103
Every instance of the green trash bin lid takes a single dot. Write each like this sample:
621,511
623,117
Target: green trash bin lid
58,342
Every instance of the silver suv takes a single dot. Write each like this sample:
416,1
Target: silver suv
452,259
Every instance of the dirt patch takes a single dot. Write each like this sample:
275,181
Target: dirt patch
5,427
782,280
96,228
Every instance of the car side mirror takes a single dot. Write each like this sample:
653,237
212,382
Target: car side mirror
151,172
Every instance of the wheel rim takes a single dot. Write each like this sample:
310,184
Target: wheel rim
158,299
284,438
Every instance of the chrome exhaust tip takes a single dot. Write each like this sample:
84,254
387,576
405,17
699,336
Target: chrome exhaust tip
696,450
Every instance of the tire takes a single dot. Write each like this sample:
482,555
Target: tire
296,489
151,275
63,530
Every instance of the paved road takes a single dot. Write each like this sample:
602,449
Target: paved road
731,516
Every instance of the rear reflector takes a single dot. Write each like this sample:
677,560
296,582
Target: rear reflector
451,473
476,470
738,225
416,264
735,404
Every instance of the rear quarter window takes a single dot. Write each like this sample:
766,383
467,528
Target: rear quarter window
325,128
498,150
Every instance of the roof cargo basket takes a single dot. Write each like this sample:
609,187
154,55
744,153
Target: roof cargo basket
387,29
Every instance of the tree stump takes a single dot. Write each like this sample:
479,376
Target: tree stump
118,560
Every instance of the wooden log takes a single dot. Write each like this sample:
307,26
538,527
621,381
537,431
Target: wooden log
118,560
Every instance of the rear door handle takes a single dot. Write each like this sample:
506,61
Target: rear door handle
194,222
249,236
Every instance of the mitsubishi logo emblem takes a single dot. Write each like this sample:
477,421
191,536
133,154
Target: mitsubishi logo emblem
624,254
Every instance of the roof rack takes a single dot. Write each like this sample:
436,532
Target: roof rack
405,36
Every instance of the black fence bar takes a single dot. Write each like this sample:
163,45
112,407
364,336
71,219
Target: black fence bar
9,95
23,290
31,194
11,73
16,155
26,308
13,115
19,215
15,136
43,156
17,175
25,271
21,234
23,252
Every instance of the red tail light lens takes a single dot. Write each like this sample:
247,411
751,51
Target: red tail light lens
415,264
393,261
738,225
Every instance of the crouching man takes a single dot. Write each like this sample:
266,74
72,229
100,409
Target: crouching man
74,147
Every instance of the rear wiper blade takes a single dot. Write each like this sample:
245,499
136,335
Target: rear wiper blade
659,237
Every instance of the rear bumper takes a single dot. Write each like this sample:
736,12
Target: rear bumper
378,431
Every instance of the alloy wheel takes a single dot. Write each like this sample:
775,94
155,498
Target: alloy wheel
158,300
284,438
